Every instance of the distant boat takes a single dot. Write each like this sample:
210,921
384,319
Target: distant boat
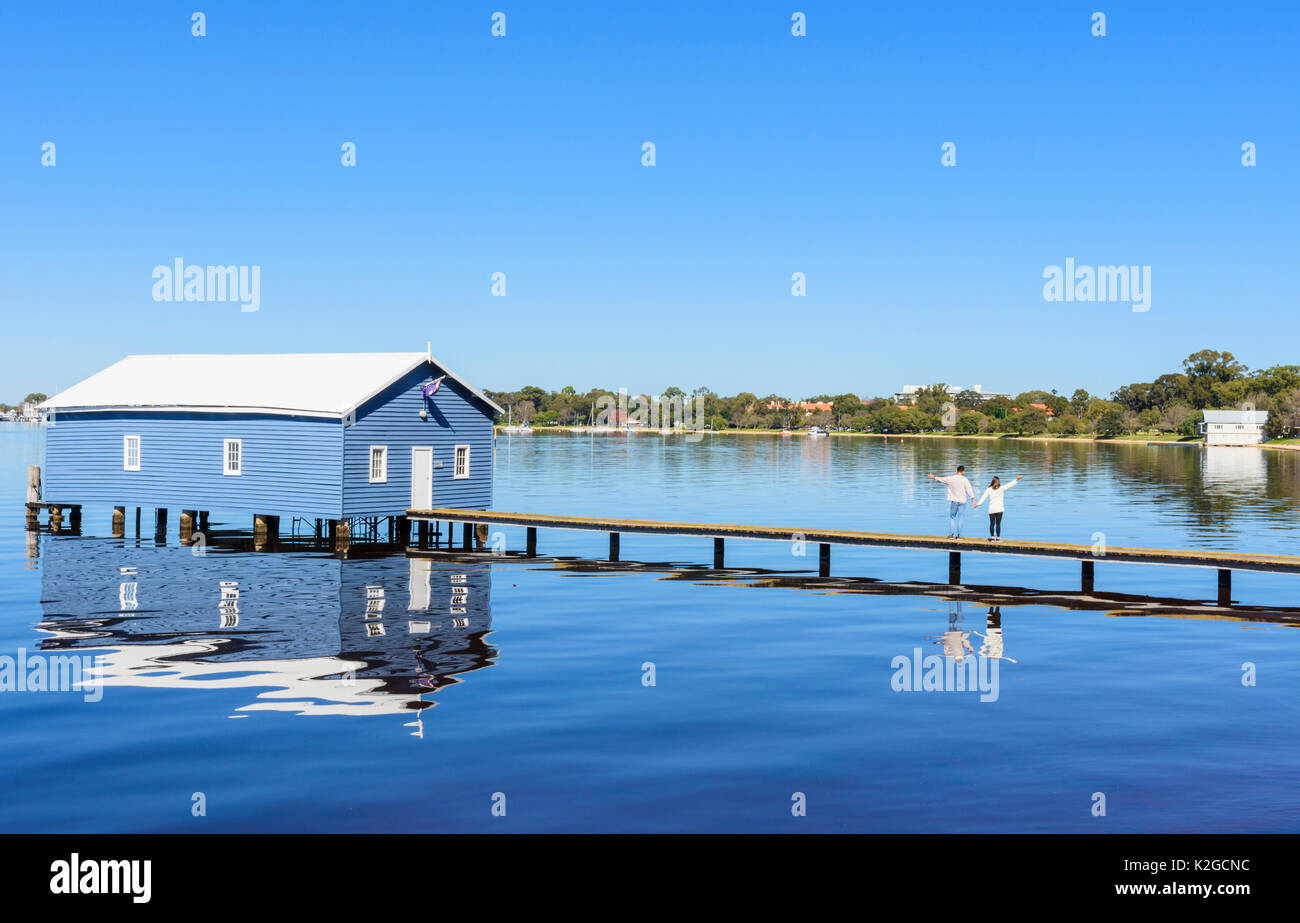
817,431
510,426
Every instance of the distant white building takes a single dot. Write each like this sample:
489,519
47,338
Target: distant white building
1233,427
909,392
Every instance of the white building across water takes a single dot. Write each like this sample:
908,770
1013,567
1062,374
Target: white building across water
909,392
1234,427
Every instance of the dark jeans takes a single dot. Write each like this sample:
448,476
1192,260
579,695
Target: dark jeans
995,524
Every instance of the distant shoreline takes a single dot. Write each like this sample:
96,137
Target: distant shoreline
1276,445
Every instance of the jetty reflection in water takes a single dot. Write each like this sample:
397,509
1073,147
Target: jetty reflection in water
311,634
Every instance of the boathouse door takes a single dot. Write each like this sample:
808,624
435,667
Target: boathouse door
422,477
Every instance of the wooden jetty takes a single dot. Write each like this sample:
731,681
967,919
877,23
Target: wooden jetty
1225,562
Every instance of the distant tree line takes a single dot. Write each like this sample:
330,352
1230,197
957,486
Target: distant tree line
34,398
1171,404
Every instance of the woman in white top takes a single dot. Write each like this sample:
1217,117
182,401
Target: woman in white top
994,494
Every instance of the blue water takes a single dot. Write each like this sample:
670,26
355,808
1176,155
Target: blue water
499,680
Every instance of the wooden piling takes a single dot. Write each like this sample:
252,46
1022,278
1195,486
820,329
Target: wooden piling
466,536
33,496
530,542
187,525
718,556
160,525
56,519
613,546
119,521
1225,587
954,567
823,560
74,518
480,534
422,532
203,521
1085,577
342,534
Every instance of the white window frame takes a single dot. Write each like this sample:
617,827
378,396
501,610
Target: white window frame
126,453
383,471
238,470
456,474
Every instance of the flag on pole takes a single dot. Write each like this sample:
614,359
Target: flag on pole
432,387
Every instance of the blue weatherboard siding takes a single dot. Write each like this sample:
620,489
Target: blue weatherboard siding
455,417
291,465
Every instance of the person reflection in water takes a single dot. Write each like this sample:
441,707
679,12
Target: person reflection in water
956,643
992,638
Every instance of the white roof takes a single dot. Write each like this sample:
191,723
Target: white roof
1236,416
313,384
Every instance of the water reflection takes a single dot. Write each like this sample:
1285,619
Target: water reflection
1239,468
993,645
308,634
955,642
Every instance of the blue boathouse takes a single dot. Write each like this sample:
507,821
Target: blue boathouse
326,436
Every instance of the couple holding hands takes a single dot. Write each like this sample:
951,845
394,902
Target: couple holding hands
959,490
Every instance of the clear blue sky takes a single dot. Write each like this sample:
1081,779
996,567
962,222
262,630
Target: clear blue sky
775,155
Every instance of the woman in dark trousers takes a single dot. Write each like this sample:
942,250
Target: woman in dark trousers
994,495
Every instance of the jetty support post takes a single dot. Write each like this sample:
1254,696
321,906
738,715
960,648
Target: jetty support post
261,531
823,559
203,521
613,546
1225,587
342,534
954,568
480,535
56,518
1086,576
422,533
403,530
119,522
530,542
187,525
718,555
466,536
33,496
160,525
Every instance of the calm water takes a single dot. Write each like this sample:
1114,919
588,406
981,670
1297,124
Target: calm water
297,691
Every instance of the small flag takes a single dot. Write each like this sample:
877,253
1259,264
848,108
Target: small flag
432,387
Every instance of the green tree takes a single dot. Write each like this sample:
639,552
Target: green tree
970,422
1206,368
1111,423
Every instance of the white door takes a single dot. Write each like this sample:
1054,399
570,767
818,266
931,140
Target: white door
422,477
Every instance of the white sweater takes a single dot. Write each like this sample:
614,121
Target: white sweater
994,496
958,487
